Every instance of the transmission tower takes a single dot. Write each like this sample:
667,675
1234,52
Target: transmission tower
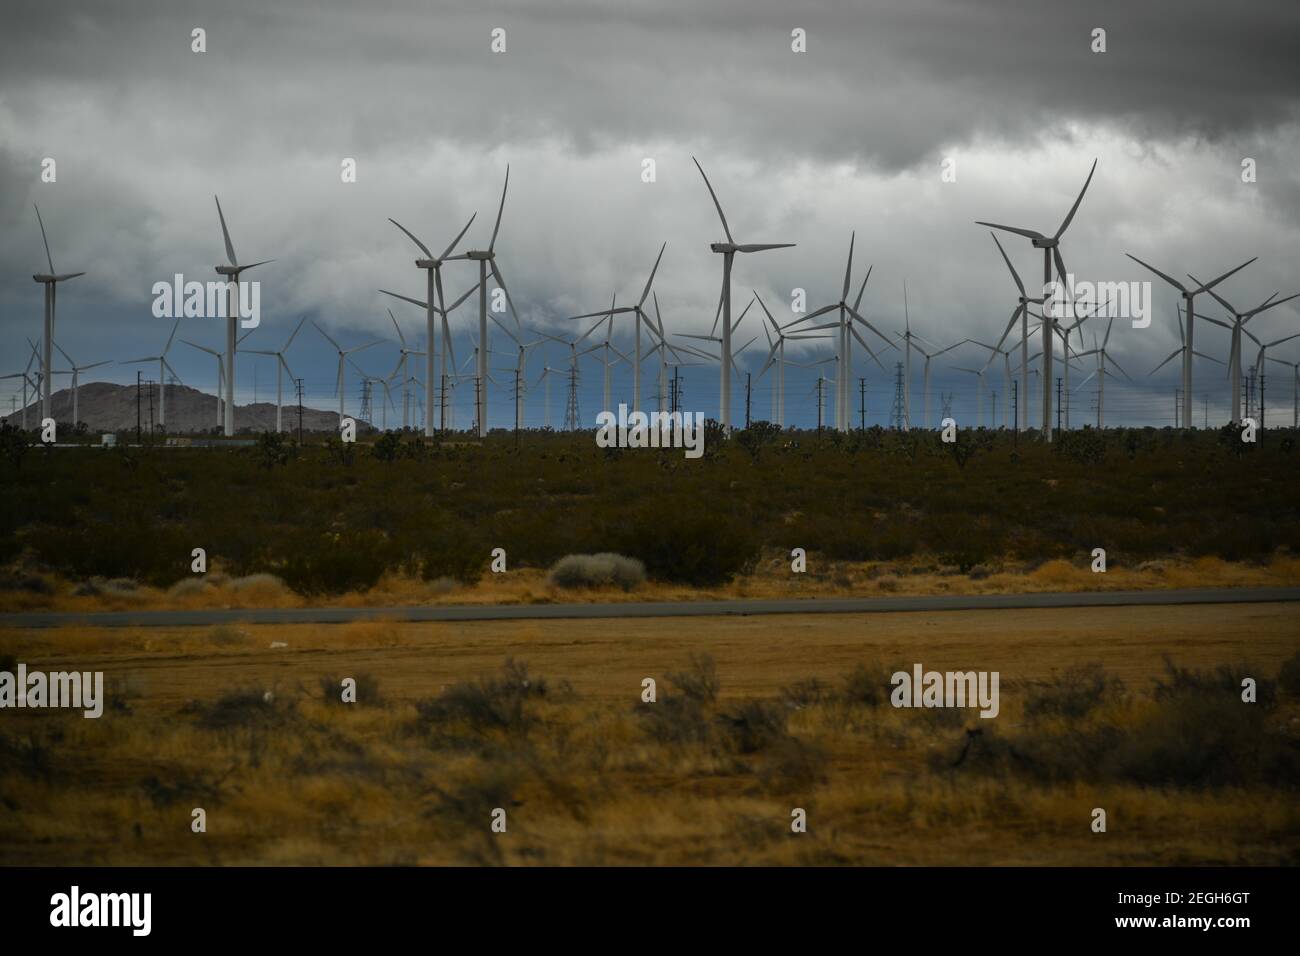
896,413
945,401
571,408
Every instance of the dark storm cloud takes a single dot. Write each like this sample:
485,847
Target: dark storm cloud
802,148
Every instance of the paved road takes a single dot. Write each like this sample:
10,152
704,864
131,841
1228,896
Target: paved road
517,612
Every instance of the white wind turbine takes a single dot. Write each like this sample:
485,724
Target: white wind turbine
979,392
1259,364
403,355
1051,253
27,381
432,267
1239,320
343,355
1189,296
776,356
1021,312
847,315
163,368
487,261
638,311
728,252
518,370
1295,389
221,373
232,271
50,281
994,352
663,348
76,371
1102,371
281,365
366,377
1183,350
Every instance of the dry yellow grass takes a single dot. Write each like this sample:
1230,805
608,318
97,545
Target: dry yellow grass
771,579
585,782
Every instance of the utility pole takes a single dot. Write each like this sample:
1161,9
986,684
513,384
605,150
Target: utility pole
442,403
1178,406
862,404
1058,403
151,423
821,379
1261,396
746,399
675,396
1207,411
1015,406
518,396
298,384
137,408
479,427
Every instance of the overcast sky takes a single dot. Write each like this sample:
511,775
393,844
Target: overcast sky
801,147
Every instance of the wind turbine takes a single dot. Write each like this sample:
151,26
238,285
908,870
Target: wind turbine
979,392
1102,371
233,270
776,355
925,369
1259,364
639,312
25,375
1239,320
163,368
1295,389
403,355
994,352
728,252
343,355
282,365
1182,350
50,281
520,382
76,380
1189,296
1051,252
221,373
1022,312
848,314
383,383
432,266
486,259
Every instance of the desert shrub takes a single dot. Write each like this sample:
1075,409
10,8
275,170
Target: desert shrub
1084,446
805,693
488,704
692,545
248,708
684,712
1222,683
189,587
754,725
597,570
271,450
1073,694
333,563
226,635
1288,676
868,685
30,583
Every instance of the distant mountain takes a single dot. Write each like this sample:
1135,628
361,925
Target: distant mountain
105,407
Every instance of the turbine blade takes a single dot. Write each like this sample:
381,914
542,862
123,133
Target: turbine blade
446,252
1015,275
500,209
48,257
717,205
225,234
648,282
1214,282
1170,279
410,235
1027,233
406,298
1065,224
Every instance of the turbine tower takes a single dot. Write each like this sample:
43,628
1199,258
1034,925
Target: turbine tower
76,371
639,312
1102,371
50,281
1051,252
232,270
1239,320
728,252
432,266
283,366
343,356
776,355
163,368
1189,296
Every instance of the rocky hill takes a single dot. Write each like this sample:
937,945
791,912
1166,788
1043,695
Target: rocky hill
105,407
